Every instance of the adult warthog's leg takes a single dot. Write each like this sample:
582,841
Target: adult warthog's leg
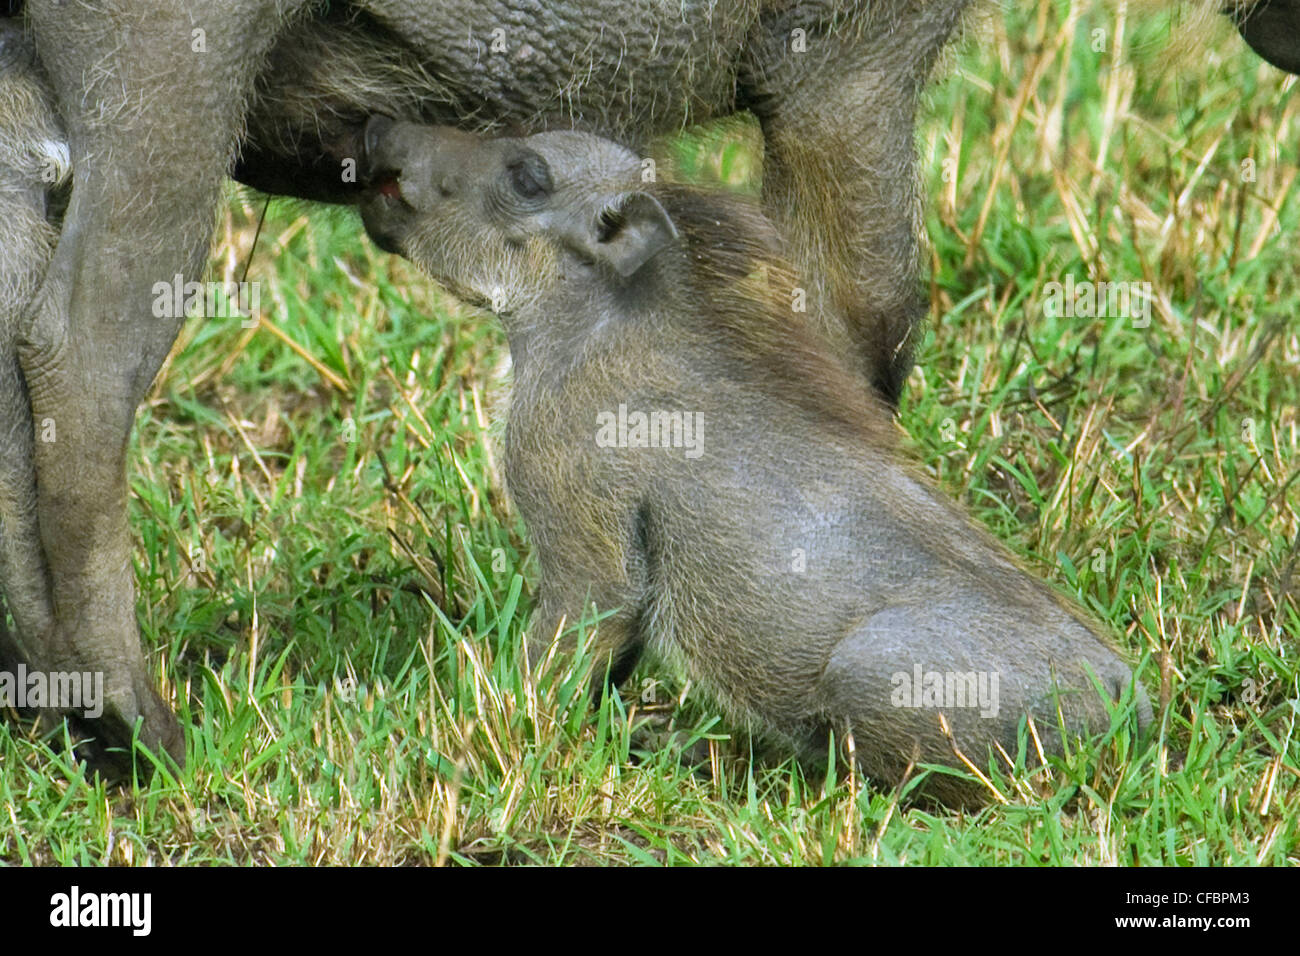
33,169
28,242
836,87
153,93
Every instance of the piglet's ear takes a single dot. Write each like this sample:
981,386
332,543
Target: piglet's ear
626,233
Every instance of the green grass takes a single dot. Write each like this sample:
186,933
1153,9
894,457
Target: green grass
334,587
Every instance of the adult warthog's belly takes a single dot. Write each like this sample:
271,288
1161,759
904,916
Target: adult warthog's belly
627,69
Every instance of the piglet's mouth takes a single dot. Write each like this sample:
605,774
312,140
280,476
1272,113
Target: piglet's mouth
386,184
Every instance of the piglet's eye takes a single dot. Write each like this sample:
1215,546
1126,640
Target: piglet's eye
529,176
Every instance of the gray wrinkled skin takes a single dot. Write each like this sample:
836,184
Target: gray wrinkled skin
34,171
794,565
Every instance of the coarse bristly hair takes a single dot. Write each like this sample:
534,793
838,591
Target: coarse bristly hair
737,270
